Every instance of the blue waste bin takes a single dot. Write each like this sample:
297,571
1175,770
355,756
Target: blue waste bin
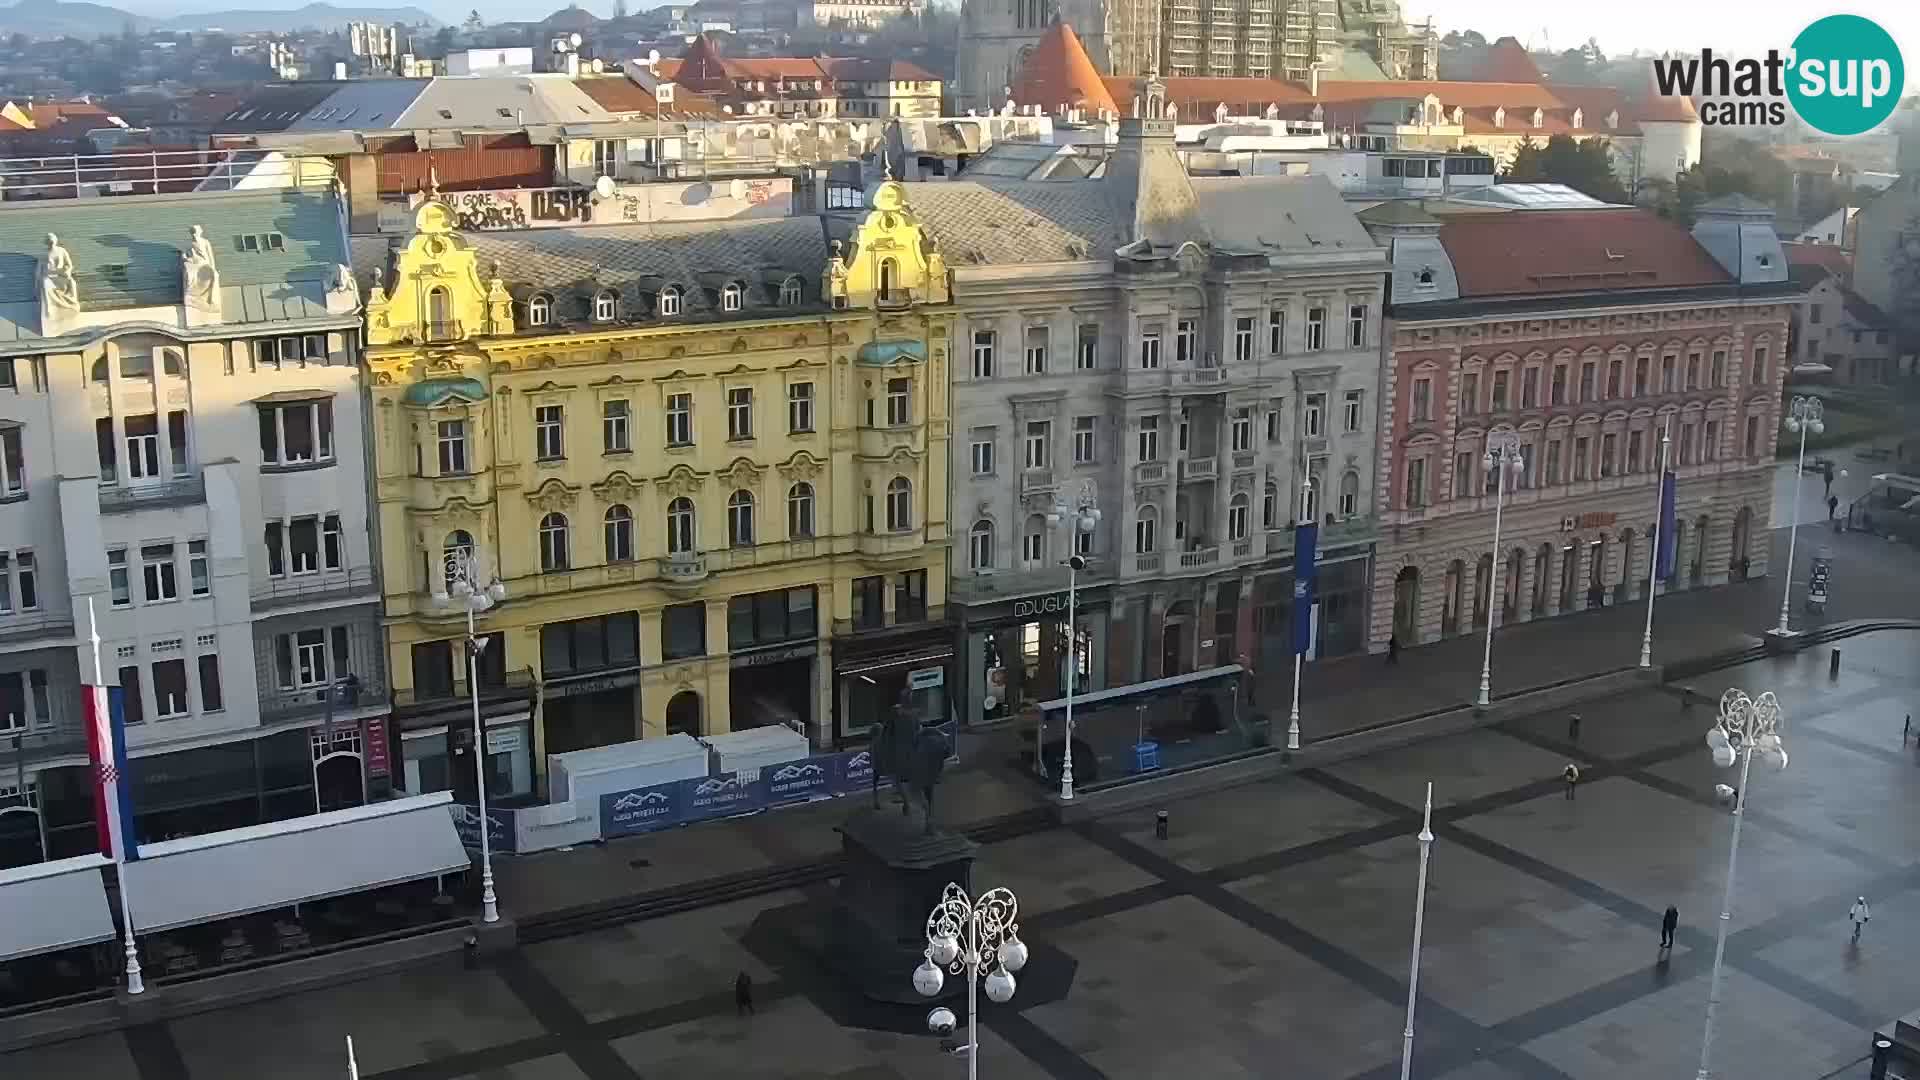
1146,756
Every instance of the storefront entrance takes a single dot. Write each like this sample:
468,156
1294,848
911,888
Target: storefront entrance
868,684
597,710
773,686
1015,652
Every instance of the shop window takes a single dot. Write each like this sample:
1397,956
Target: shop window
769,617
869,603
578,645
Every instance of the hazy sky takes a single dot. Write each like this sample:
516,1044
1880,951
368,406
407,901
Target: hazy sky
1736,26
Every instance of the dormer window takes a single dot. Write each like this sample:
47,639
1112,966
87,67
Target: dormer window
1579,119
670,301
1613,119
731,296
1500,116
605,306
1539,118
1424,279
540,310
790,292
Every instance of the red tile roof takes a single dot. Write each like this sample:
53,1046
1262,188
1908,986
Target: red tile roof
852,69
1542,252
1058,74
1832,257
619,94
1197,96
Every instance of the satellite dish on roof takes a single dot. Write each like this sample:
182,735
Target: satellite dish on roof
573,39
653,60
604,187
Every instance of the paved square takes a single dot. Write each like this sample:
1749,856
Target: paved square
1267,936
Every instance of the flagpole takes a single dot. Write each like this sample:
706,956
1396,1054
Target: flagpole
135,985
353,1067
1293,714
1653,564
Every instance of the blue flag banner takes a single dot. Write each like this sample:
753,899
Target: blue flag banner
1663,568
1306,542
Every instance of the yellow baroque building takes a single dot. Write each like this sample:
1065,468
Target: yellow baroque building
707,462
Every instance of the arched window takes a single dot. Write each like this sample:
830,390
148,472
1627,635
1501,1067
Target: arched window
731,296
889,278
539,310
1238,511
619,530
1270,507
553,542
1349,493
899,504
1146,530
605,306
439,314
740,519
1313,500
980,546
800,511
1033,543
670,300
790,292
683,713
459,547
680,526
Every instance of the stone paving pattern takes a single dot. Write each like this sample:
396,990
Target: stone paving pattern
1267,936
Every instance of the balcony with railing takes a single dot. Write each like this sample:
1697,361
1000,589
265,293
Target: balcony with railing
27,625
349,695
1037,482
314,588
179,490
987,588
1199,468
890,545
1199,558
513,685
686,568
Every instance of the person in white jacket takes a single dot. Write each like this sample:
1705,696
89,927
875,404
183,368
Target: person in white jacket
1860,914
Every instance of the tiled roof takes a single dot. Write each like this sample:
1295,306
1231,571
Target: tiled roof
126,252
1197,96
1574,251
621,95
571,265
1862,311
1059,74
1831,258
281,106
850,69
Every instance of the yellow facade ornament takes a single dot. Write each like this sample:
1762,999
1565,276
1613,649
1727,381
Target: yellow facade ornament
553,495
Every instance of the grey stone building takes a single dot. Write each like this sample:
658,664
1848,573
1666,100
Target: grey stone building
1182,351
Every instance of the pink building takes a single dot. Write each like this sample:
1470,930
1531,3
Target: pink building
1587,331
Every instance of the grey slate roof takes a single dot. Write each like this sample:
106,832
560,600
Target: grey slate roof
126,253
996,221
570,265
361,105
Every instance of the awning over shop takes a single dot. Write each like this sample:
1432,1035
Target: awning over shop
261,867
53,905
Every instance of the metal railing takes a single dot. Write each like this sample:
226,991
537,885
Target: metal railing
148,172
283,704
518,683
32,624
1198,557
307,588
141,496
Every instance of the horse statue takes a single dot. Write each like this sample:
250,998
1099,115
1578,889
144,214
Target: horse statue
913,756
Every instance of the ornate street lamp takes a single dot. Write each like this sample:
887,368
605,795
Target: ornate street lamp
970,936
1803,416
1085,517
1503,460
1745,725
466,582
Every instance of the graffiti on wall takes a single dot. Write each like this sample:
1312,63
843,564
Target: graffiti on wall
484,211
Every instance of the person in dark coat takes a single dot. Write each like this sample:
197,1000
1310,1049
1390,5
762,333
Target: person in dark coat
1393,649
1668,924
743,995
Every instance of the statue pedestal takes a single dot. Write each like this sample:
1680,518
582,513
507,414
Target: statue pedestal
895,874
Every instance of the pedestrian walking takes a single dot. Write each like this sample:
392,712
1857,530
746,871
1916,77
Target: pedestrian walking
1906,729
1833,506
1572,776
1826,473
1393,649
743,995
1860,914
1668,924
1573,727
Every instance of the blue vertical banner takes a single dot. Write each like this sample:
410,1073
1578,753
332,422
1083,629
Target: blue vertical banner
1663,563
1306,543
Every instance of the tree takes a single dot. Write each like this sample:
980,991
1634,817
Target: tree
474,23
1903,265
1585,165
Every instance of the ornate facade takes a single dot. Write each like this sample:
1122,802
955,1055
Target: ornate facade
700,458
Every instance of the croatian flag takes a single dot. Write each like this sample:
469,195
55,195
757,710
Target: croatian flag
1306,541
1663,562
106,718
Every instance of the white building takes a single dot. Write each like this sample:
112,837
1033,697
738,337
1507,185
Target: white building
1193,348
183,451
513,61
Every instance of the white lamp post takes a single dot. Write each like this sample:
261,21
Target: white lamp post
1653,564
1745,725
1086,518
1503,459
1299,596
1803,416
466,581
1419,923
971,936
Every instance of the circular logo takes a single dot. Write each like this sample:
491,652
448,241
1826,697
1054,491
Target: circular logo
1846,75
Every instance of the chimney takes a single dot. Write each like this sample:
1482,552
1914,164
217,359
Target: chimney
1313,80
